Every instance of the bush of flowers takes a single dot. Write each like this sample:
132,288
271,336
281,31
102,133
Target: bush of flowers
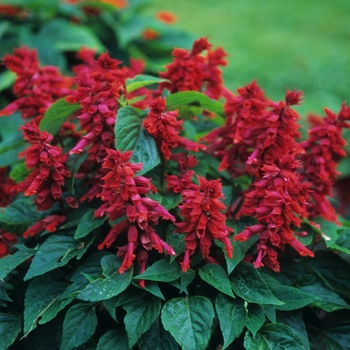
164,211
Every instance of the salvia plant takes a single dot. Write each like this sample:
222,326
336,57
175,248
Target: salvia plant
165,211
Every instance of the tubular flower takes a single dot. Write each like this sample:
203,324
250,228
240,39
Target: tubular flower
150,34
6,186
323,146
203,220
48,167
232,142
277,200
166,17
49,224
187,72
98,89
36,87
165,128
124,195
7,240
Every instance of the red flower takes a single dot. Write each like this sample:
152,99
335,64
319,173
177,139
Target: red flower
6,186
150,34
124,194
36,87
48,167
165,128
98,90
323,147
187,72
7,240
49,224
166,17
202,220
278,201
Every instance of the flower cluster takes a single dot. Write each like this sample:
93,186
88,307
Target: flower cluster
48,167
165,128
323,147
36,87
124,197
203,220
192,71
50,224
277,200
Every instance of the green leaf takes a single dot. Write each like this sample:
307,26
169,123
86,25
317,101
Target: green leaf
270,312
10,147
71,37
7,79
113,283
175,240
338,337
114,339
324,297
10,326
161,271
74,163
189,320
247,283
140,315
193,98
255,318
216,276
274,336
54,117
142,80
156,338
328,231
41,301
19,172
131,136
10,262
169,201
295,320
153,288
88,223
186,279
232,317
293,298
78,326
56,251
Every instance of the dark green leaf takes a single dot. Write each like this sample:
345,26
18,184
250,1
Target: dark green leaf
232,316
10,262
113,283
142,80
74,163
19,172
41,301
71,37
78,326
255,318
176,241
295,320
328,231
156,338
189,321
153,288
293,298
274,336
216,276
10,147
169,201
56,251
140,315
193,98
88,223
161,271
247,283
114,339
7,78
270,312
338,337
186,279
131,136
10,326
3,293
54,117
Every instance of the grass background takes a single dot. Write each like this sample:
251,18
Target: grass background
303,44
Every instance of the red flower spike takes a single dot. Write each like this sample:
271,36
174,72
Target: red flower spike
165,128
36,87
50,224
48,167
323,147
202,219
124,194
7,240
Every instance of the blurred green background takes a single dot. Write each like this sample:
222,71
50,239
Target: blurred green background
303,44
